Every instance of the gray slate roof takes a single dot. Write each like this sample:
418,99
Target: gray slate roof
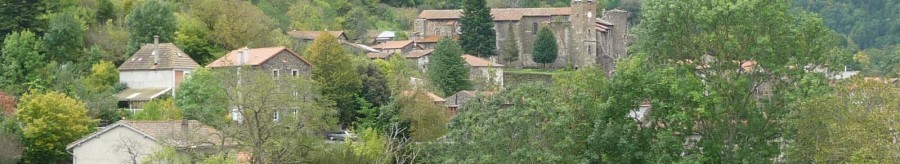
170,57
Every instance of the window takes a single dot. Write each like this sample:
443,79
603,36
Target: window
534,28
295,72
275,73
589,50
275,116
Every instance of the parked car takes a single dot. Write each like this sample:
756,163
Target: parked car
340,136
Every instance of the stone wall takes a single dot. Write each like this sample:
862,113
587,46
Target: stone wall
285,62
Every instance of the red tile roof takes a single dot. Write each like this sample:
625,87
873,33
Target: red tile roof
257,57
504,14
393,44
479,62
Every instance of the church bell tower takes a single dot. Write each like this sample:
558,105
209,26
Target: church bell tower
583,17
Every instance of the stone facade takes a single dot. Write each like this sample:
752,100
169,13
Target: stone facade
581,42
286,64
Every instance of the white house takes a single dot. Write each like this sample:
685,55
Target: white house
132,141
154,70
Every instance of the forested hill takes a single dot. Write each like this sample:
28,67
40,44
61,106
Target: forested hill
866,23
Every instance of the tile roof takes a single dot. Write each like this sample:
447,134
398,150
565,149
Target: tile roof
143,94
499,14
257,57
170,57
434,39
461,97
311,35
432,96
393,44
418,53
170,133
479,62
379,55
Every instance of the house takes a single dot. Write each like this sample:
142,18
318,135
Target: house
430,42
384,37
437,100
131,141
420,57
278,60
152,71
309,36
585,35
458,100
379,55
483,72
401,46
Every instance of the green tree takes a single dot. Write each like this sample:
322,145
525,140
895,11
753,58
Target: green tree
333,69
510,48
22,58
545,48
427,121
22,15
104,76
152,17
51,120
160,110
202,97
105,11
193,37
375,85
64,38
477,27
717,83
852,125
446,70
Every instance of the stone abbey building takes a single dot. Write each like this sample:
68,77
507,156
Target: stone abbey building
585,37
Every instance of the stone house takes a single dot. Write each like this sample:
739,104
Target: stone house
309,36
585,36
400,46
420,57
132,141
152,71
280,61
459,99
483,73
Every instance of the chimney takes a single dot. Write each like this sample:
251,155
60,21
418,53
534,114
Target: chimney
155,52
156,40
246,57
240,57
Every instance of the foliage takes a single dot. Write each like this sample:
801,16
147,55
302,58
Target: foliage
64,38
105,10
375,89
398,70
202,97
278,120
159,110
110,38
193,38
446,69
10,140
851,125
372,147
545,48
333,69
883,62
865,24
152,17
510,48
232,30
426,119
165,155
477,28
22,15
51,120
22,57
716,83
104,76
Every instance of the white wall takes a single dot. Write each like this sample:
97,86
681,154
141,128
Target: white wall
113,146
148,78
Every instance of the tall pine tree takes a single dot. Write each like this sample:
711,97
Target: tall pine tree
447,70
545,48
478,37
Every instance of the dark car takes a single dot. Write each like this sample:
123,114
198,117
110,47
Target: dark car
340,136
